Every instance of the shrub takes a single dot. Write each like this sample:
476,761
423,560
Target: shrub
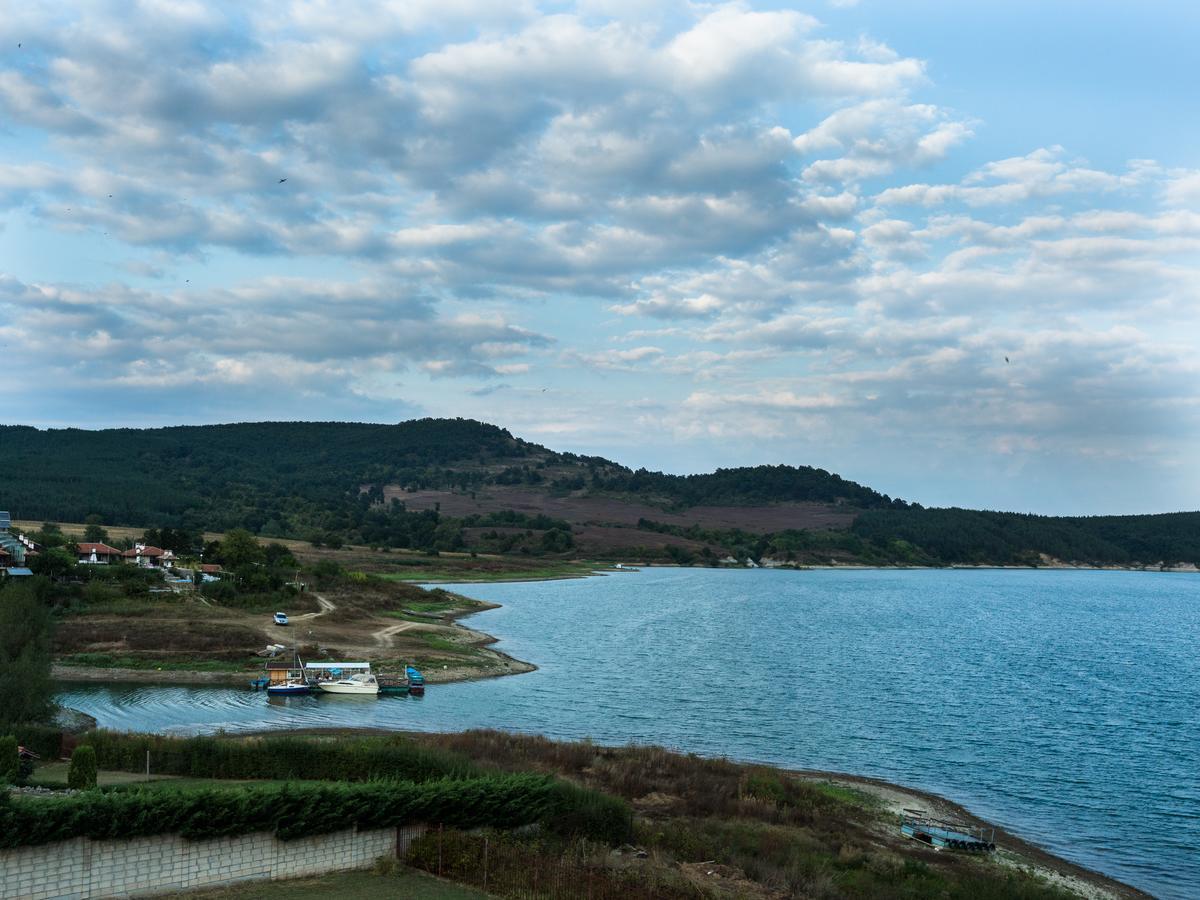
281,757
290,811
10,760
82,774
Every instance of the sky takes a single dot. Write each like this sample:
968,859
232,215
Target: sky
948,250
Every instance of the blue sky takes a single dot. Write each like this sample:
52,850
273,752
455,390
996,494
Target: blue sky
680,235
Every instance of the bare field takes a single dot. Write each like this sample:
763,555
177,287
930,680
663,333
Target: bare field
582,510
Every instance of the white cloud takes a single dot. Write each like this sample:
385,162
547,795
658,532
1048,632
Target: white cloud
761,221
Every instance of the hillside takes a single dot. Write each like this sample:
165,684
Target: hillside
455,484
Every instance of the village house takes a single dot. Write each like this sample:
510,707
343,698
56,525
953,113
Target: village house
149,557
98,554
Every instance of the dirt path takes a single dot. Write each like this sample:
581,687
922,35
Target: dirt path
327,606
384,637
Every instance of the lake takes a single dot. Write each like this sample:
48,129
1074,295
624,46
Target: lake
1062,705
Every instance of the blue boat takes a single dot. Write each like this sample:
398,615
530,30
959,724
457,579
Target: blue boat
288,687
416,681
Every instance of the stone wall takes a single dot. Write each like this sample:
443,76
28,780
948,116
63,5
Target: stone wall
82,868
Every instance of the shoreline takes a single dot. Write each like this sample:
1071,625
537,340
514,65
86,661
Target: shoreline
1012,849
633,568
503,663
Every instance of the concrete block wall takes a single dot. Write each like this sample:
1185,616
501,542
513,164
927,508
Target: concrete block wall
79,869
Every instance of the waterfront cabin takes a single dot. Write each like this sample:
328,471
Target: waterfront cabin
285,668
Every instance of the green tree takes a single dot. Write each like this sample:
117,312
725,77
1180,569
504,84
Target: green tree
240,548
81,776
25,634
53,563
50,535
93,533
10,760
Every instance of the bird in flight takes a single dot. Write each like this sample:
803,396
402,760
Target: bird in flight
282,180
1006,359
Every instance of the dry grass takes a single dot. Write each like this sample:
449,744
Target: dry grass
217,640
750,831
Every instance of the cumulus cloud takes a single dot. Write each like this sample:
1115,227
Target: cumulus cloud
743,225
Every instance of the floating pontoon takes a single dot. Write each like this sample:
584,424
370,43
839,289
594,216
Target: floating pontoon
942,835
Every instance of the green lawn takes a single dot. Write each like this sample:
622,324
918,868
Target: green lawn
408,884
54,775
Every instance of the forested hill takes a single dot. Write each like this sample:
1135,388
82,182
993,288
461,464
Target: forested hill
288,478
454,484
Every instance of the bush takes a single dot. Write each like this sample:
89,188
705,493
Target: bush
289,811
10,760
82,774
280,758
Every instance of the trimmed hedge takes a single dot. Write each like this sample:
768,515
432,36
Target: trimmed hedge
81,776
10,762
280,758
293,811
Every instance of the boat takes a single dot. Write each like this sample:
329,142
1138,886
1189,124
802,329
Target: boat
416,681
943,835
392,685
359,683
284,674
288,687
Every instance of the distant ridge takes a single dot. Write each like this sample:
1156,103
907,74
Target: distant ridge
465,484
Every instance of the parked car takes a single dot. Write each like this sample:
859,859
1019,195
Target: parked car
281,618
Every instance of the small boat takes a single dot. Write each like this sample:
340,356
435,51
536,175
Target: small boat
288,687
392,685
360,683
416,681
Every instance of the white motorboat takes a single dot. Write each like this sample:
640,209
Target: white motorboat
361,683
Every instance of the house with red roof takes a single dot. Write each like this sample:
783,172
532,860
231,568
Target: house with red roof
98,554
149,557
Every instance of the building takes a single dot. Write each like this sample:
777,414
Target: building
98,554
149,557
12,548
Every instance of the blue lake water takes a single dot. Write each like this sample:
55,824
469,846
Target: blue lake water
1063,705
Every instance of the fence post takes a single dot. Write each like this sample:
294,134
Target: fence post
485,863
147,765
439,851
